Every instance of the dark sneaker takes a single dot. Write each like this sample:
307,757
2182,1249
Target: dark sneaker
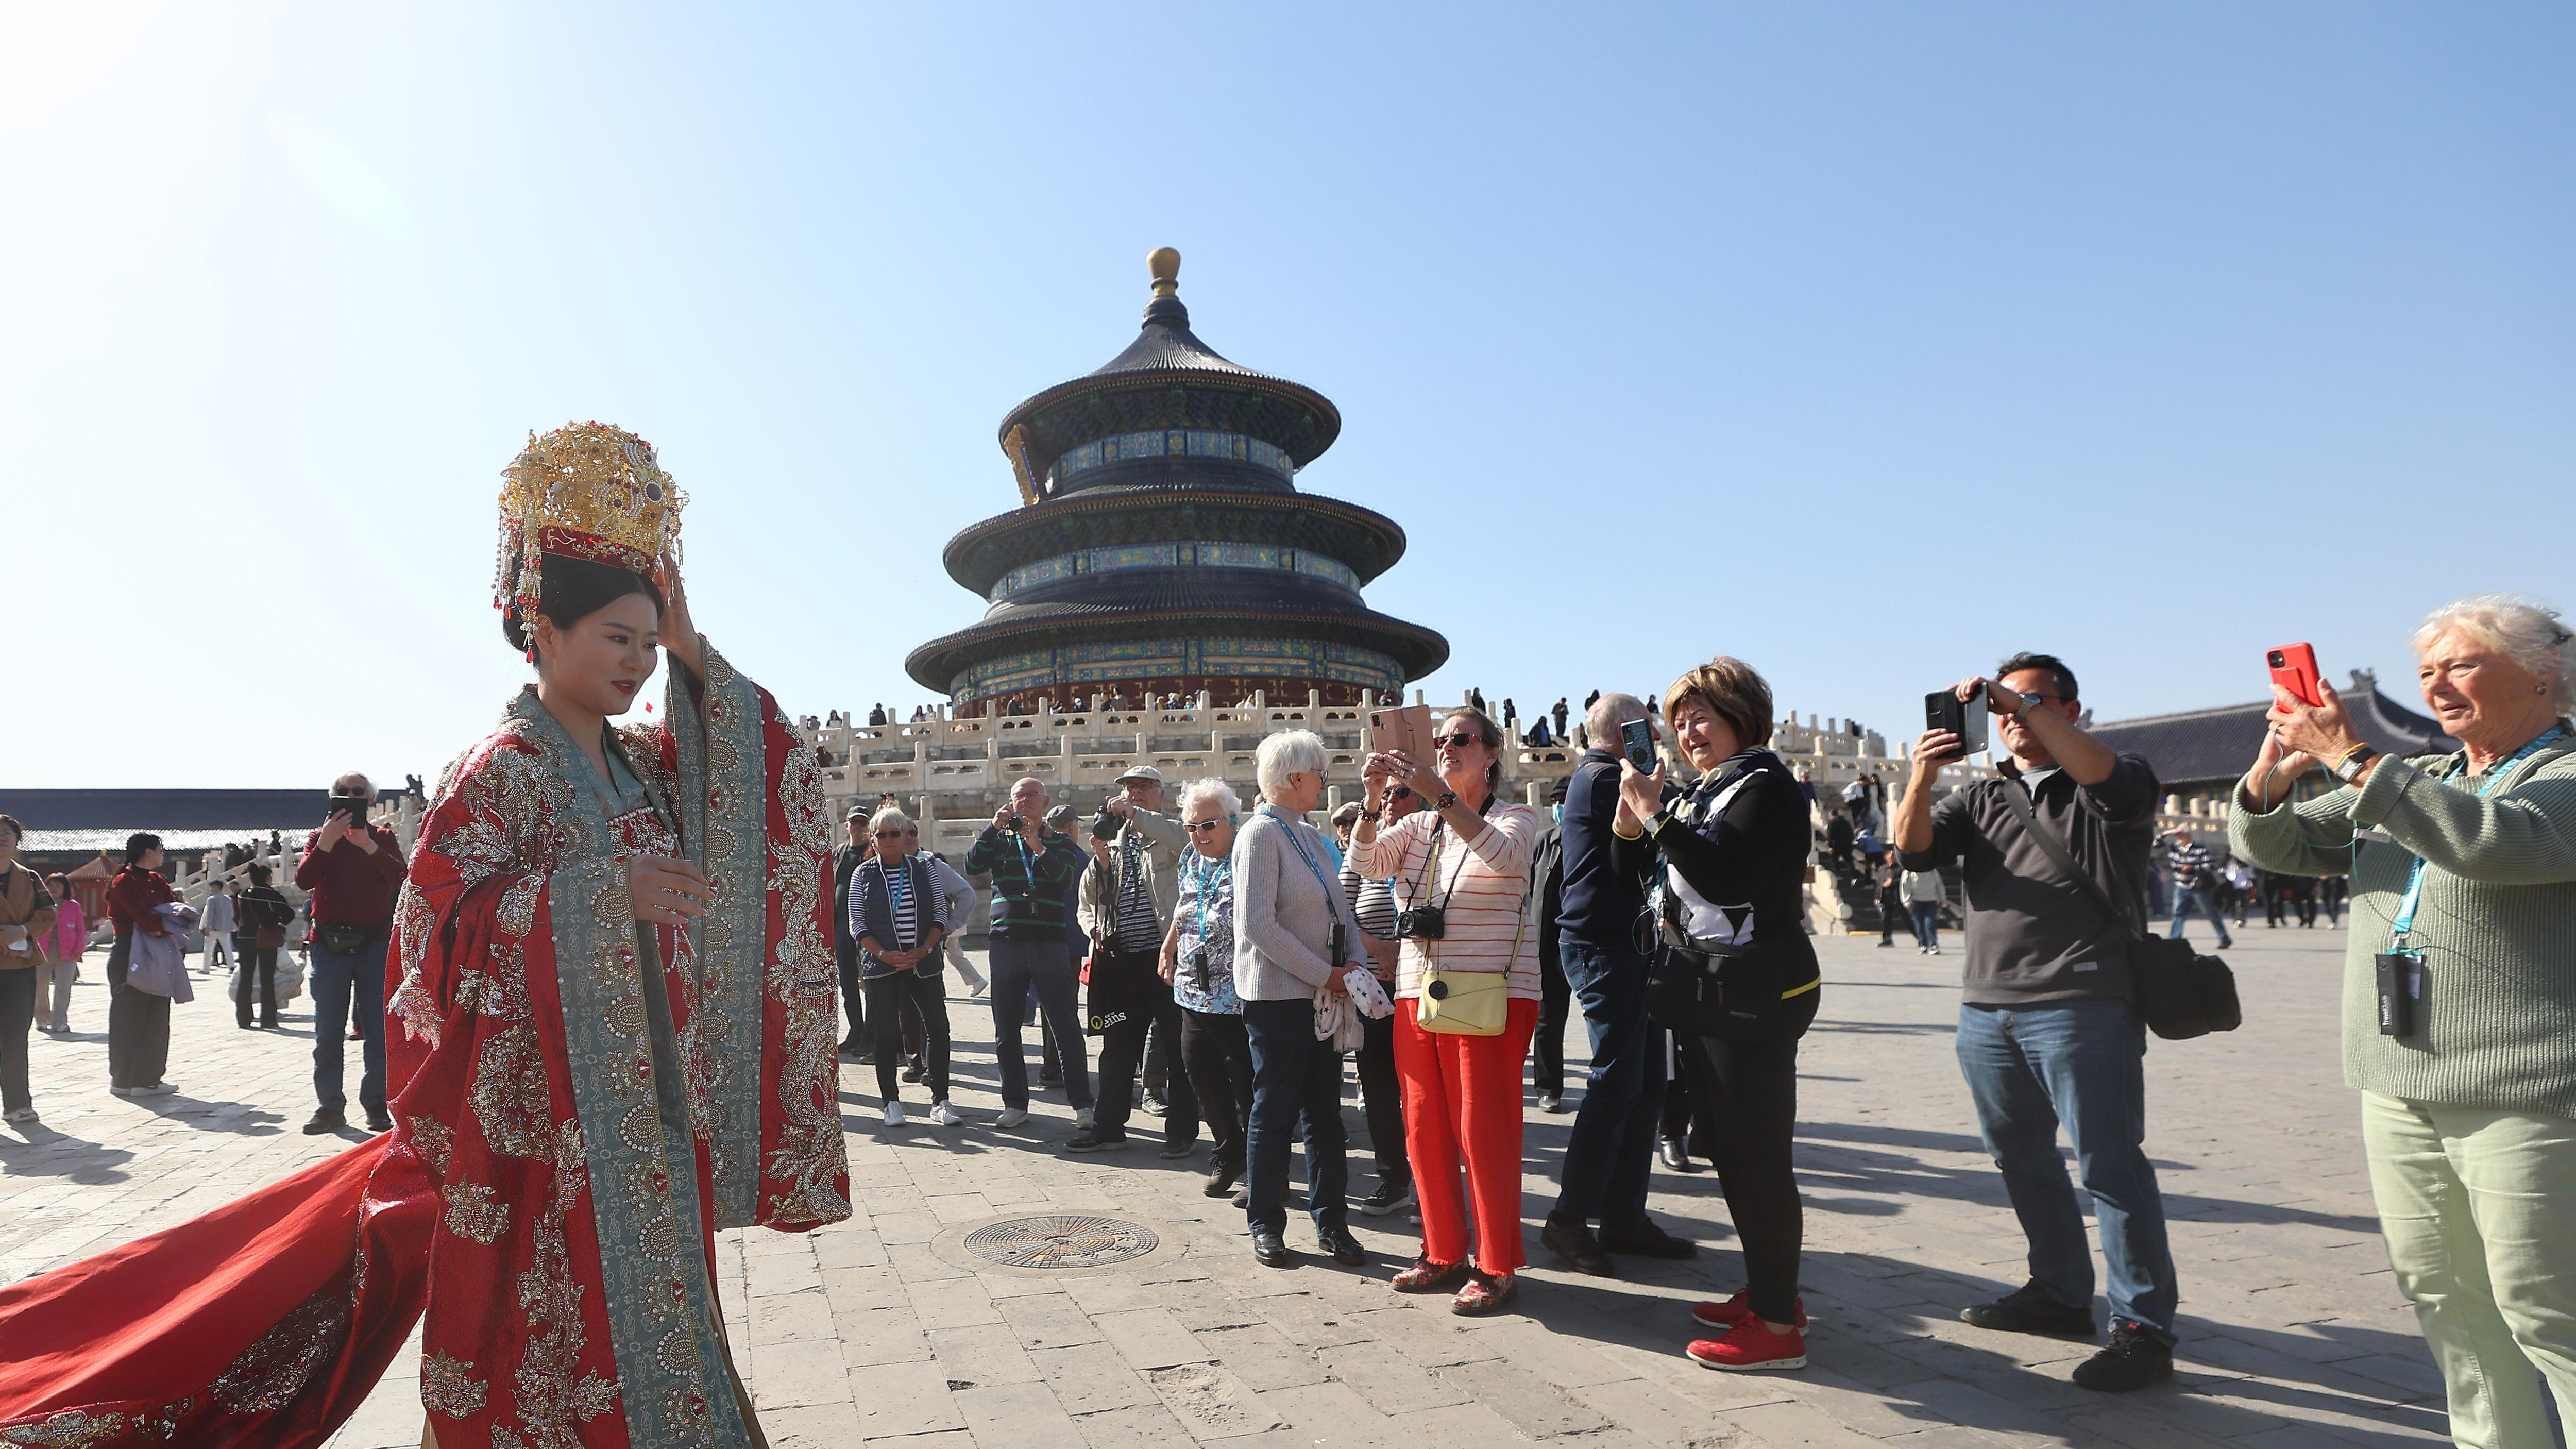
2133,1359
1175,1151
2029,1309
379,1120
1346,1250
912,1073
1092,1139
327,1119
1573,1242
1645,1240
1551,1101
1221,1176
1392,1193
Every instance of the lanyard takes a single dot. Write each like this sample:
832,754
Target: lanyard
1302,853
2404,926
1207,876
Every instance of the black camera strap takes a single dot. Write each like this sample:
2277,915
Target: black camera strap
2058,855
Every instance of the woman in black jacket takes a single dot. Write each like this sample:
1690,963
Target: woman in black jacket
1732,854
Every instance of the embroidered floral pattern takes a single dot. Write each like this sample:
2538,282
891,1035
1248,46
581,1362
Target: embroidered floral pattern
473,1213
449,1386
280,1363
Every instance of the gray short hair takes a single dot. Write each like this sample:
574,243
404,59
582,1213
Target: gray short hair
1602,720
890,815
365,785
1287,753
1211,789
2521,629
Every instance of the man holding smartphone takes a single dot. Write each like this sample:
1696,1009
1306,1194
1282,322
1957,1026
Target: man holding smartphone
353,871
2047,1032
1034,873
1611,1151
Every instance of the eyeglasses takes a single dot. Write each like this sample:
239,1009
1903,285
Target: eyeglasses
1201,826
1455,742
889,835
1400,792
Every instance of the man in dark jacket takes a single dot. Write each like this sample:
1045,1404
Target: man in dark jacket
354,871
845,949
2047,1032
1611,1151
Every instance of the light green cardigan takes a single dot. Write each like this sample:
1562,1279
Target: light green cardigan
2497,924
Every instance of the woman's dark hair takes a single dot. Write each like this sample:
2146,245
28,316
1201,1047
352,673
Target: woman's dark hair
571,590
258,874
10,823
139,842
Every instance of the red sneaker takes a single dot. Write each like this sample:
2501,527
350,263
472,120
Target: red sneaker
1751,1346
1736,1310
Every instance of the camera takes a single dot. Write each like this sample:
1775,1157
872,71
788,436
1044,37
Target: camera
1105,826
2277,660
1422,923
1199,970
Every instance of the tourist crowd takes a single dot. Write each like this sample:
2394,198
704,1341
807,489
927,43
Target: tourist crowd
1232,959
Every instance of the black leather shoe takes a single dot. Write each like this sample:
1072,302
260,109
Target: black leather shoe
380,1120
1645,1240
1269,1250
1346,1250
2029,1309
2133,1359
325,1120
1221,1178
1573,1242
1676,1158
1175,1151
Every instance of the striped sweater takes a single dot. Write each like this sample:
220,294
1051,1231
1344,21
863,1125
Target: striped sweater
2497,924
1484,888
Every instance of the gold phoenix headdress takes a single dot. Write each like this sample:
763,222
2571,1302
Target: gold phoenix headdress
588,491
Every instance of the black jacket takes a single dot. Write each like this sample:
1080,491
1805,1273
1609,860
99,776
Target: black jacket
1753,854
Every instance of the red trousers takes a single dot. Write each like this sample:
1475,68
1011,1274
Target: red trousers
1465,1091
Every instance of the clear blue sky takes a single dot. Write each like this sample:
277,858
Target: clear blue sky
1865,342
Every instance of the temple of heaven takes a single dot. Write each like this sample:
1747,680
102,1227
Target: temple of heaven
1162,546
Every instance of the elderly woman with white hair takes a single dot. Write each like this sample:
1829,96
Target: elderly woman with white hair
897,905
1293,936
2459,1002
1198,964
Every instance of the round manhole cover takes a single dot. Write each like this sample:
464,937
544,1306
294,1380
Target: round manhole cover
1061,1242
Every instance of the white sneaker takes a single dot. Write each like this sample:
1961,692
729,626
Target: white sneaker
120,1091
157,1089
894,1114
945,1115
23,1114
1935,951
1012,1117
1082,1116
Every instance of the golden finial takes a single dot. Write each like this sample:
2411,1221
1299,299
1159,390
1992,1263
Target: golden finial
1165,264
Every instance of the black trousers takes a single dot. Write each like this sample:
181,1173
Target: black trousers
1751,1115
1385,1099
1216,1059
921,1003
1891,912
138,1024
1139,996
17,1022
1680,1084
259,973
854,999
1547,1044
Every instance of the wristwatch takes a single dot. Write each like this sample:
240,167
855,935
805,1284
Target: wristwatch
1447,799
2349,769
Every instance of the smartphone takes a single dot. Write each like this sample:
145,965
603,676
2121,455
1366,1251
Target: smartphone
1407,728
2294,668
1637,737
1943,709
352,806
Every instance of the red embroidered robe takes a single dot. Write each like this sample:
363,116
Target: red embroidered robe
579,1105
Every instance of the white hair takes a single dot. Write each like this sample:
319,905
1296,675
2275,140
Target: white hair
2523,630
1211,789
1602,720
888,815
1284,754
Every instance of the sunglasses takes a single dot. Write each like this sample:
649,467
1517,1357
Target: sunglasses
1455,742
1400,792
889,835
1201,826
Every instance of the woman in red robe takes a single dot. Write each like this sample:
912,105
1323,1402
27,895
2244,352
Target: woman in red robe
614,982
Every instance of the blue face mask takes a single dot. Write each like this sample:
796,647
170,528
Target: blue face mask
1556,813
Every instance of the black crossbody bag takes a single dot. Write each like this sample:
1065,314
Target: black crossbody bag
2178,992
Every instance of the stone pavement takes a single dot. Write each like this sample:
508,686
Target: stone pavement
2293,1331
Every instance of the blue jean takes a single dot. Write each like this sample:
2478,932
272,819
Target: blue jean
1612,1147
343,984
1043,969
2184,899
1296,1081
1927,923
2082,1063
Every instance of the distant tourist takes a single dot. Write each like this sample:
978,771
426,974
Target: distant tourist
1558,712
2195,884
63,956
877,715
1126,907
353,871
138,1022
1381,1089
216,920
1198,963
960,895
1924,893
1034,873
2047,1032
264,916
26,920
856,1040
897,905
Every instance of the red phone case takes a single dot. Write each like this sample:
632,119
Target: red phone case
2297,673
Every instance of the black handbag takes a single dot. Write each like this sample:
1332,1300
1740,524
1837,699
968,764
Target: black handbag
1727,991
2178,992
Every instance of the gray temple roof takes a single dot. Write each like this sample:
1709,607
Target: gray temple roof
2210,747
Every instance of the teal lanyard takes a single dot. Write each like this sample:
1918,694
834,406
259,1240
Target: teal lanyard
1208,876
2404,926
1303,854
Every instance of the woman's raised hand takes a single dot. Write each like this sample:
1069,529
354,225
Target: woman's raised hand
1641,794
680,632
667,890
